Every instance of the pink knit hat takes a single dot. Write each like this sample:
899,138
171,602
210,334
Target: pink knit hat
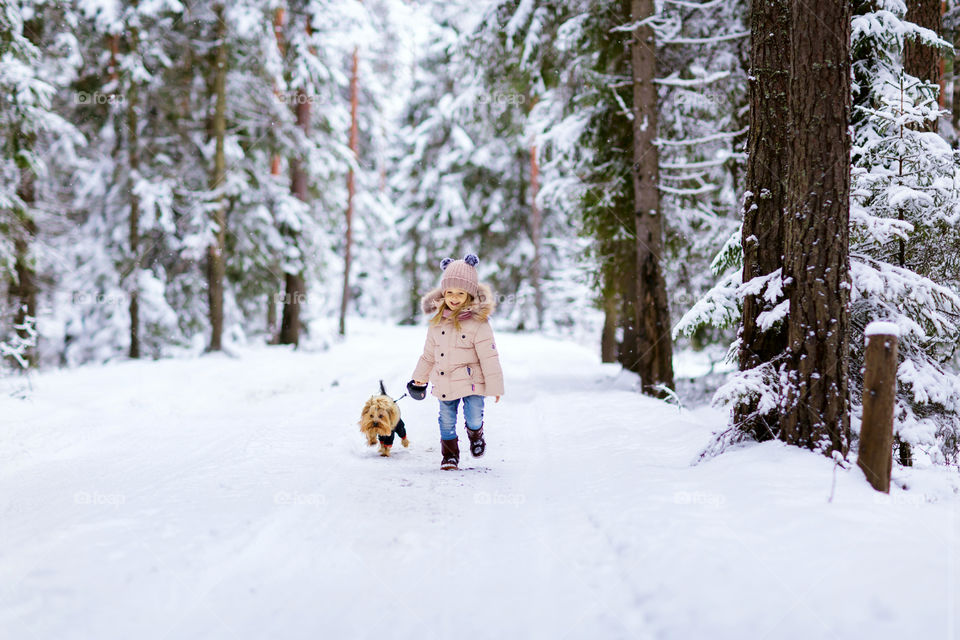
460,274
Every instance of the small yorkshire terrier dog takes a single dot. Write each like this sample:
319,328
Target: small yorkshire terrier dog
380,419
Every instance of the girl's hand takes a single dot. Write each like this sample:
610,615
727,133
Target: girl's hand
419,383
497,400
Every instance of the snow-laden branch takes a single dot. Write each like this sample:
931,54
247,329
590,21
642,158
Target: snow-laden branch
637,24
707,188
691,141
695,5
703,164
711,40
673,81
719,307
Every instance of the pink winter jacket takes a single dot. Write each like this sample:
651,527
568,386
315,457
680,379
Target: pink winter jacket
461,362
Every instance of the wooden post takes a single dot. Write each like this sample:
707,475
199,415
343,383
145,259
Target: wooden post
879,395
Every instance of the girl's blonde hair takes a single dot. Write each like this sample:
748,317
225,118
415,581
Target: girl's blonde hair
454,313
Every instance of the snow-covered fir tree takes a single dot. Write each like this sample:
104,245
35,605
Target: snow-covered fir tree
37,60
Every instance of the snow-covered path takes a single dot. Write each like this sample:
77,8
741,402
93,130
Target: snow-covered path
234,498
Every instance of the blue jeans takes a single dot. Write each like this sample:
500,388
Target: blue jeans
472,415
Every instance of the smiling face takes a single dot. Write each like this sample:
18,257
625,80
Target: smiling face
455,298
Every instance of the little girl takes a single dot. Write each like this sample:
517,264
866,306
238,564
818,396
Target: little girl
460,357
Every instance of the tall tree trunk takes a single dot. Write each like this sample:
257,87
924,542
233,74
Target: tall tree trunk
294,282
351,187
920,60
536,225
654,343
216,259
273,336
768,152
816,235
133,159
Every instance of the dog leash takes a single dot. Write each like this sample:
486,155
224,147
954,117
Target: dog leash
401,398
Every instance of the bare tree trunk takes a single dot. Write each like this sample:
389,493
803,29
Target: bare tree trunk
816,235
919,60
275,167
295,286
654,342
768,152
133,159
294,283
536,228
215,252
351,187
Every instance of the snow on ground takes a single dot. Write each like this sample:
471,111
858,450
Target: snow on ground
233,497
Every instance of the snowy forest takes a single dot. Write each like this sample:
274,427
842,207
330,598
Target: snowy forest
178,178
688,211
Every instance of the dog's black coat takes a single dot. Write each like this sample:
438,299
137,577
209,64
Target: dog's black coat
400,430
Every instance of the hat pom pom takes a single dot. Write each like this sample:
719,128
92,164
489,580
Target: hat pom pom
445,262
471,259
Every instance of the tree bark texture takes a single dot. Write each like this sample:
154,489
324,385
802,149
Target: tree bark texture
295,287
536,227
875,457
768,154
919,60
133,159
654,341
351,188
216,259
816,236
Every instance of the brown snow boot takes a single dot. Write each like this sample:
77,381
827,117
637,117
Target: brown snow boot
477,443
450,449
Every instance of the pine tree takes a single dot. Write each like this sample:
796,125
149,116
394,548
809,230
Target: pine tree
904,240
32,133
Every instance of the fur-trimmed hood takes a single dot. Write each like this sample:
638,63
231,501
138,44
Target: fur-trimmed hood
481,308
